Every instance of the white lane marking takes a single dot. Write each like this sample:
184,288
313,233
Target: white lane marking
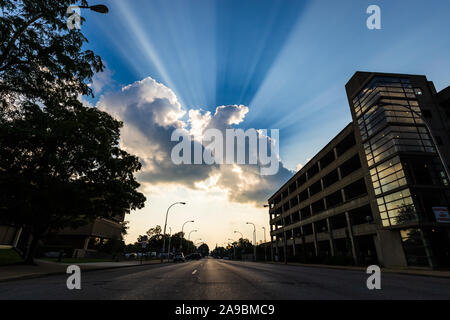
194,272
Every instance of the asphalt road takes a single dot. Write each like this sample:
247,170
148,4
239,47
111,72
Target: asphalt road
219,279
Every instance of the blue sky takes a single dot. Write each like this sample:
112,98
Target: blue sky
286,60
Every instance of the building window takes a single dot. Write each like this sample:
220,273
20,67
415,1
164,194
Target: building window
397,208
413,245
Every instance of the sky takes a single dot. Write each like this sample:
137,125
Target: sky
263,64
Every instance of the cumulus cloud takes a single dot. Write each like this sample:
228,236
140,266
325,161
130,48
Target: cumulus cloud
151,112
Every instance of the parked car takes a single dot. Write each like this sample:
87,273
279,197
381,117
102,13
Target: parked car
54,254
179,257
194,256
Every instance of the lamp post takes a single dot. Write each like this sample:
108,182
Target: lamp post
189,236
182,234
195,243
429,132
271,245
170,238
242,237
234,248
100,8
265,244
165,225
254,239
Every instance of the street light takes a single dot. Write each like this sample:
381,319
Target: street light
429,132
234,248
242,250
170,238
195,243
165,225
182,234
242,236
265,244
189,236
100,8
254,239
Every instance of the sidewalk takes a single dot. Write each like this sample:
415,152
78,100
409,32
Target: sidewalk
45,268
409,271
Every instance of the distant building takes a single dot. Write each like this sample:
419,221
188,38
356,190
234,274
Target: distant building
377,192
80,242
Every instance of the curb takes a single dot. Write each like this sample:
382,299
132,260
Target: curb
403,272
56,273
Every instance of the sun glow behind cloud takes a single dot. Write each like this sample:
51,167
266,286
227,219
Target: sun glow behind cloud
287,61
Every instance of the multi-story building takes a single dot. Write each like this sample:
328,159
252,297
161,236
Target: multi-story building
79,242
378,192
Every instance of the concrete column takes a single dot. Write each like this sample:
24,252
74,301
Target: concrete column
330,230
343,195
276,247
17,237
293,242
429,252
350,232
86,243
302,242
271,248
316,245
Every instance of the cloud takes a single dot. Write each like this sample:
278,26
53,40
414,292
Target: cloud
151,112
101,80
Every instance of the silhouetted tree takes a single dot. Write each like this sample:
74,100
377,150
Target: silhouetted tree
40,58
60,161
406,214
203,249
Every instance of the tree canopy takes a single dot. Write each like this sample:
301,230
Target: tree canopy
60,161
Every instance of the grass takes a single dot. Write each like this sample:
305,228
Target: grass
79,260
9,257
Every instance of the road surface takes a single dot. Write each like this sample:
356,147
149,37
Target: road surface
221,279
